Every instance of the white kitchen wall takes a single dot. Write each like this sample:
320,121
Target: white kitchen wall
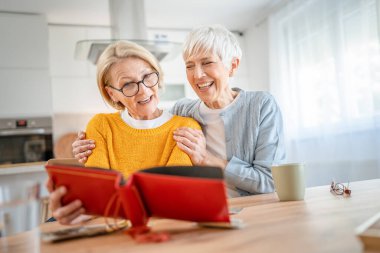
257,56
24,68
74,90
242,76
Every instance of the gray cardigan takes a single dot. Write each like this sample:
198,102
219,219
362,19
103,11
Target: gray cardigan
254,138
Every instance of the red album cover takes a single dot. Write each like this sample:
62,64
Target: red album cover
193,193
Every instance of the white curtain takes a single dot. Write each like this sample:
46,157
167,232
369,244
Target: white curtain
325,73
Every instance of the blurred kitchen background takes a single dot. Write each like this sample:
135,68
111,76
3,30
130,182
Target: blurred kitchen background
319,58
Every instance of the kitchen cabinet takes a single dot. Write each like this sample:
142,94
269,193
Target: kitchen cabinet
24,67
24,41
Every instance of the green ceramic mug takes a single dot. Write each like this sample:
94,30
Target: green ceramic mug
289,181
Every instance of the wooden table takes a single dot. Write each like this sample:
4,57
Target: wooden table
323,222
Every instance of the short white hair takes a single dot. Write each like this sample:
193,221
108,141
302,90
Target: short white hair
215,39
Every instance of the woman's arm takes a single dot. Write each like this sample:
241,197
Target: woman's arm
252,178
255,176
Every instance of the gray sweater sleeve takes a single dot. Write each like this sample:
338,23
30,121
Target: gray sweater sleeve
262,144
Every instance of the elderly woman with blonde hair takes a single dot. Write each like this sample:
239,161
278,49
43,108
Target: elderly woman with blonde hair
139,135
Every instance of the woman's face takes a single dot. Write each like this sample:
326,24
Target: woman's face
209,78
143,105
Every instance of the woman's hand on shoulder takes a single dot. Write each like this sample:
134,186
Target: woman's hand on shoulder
82,148
193,143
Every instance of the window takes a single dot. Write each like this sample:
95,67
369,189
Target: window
325,72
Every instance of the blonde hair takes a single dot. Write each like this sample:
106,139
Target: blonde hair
215,39
114,53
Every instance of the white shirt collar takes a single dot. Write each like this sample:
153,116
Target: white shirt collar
146,124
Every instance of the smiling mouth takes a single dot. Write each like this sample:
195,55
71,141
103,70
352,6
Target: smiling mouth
206,85
145,101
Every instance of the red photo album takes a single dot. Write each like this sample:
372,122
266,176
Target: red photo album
192,193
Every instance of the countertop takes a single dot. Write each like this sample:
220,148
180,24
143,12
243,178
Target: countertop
22,168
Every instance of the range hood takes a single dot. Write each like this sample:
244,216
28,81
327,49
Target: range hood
92,49
127,23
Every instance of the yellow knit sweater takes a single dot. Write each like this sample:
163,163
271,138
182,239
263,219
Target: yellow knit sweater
126,149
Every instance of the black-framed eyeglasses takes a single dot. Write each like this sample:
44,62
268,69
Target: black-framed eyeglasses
340,189
132,88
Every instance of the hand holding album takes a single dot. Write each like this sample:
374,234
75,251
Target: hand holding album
180,192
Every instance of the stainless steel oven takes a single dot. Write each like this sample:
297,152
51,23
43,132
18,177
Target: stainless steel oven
25,140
